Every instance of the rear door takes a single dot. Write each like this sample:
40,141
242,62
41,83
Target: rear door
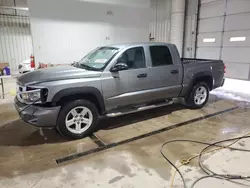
166,72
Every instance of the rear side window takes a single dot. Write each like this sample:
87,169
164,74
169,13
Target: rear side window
160,56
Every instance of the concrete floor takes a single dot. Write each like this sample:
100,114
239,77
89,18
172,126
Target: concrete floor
27,154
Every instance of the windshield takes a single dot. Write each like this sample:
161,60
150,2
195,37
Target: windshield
98,59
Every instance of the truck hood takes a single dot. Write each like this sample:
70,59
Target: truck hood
56,73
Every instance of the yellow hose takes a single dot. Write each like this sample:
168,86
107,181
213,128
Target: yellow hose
187,161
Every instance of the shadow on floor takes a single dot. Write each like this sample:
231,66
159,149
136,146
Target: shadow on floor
18,133
113,123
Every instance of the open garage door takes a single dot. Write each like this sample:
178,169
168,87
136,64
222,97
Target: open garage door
224,33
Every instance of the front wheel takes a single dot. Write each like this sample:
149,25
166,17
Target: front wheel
77,119
198,96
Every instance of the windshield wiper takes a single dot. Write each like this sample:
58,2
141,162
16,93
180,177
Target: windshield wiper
81,65
88,67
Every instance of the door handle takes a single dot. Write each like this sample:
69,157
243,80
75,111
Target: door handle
174,71
142,75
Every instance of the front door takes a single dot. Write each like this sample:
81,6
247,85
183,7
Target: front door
127,87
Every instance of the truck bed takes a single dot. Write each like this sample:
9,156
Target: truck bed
192,67
194,60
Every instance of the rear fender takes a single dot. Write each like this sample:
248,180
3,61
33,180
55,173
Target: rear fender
198,77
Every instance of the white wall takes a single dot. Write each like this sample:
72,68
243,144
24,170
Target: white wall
65,30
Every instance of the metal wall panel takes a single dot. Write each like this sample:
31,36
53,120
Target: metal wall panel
222,20
177,24
190,28
7,2
214,9
13,3
237,22
207,1
160,23
236,54
21,3
18,3
210,25
208,52
238,6
12,12
237,70
15,39
132,3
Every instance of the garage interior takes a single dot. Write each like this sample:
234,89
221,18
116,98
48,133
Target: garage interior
129,151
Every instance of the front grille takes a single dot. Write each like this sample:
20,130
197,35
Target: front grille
20,89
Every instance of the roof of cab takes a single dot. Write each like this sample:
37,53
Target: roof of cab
126,45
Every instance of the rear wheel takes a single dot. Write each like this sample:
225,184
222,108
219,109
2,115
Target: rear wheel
77,119
198,97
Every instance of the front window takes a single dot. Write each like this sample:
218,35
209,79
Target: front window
98,59
134,58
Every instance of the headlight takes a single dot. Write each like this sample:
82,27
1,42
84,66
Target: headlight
25,96
31,96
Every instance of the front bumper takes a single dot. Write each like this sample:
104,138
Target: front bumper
45,117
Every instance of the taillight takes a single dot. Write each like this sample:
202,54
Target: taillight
32,61
225,68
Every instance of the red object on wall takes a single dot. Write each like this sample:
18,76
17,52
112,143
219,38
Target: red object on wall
32,61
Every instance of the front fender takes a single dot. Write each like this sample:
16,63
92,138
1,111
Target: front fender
80,90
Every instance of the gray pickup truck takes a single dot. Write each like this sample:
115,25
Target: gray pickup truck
112,81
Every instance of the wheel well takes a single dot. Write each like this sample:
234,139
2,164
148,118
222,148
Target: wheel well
207,79
90,97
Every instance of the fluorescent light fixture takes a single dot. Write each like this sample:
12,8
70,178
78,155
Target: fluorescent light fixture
238,39
209,40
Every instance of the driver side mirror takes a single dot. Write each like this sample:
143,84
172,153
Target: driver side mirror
119,66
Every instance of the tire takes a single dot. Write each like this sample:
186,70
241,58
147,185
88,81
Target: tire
196,98
77,119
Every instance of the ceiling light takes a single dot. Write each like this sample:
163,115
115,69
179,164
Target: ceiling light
209,40
237,39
